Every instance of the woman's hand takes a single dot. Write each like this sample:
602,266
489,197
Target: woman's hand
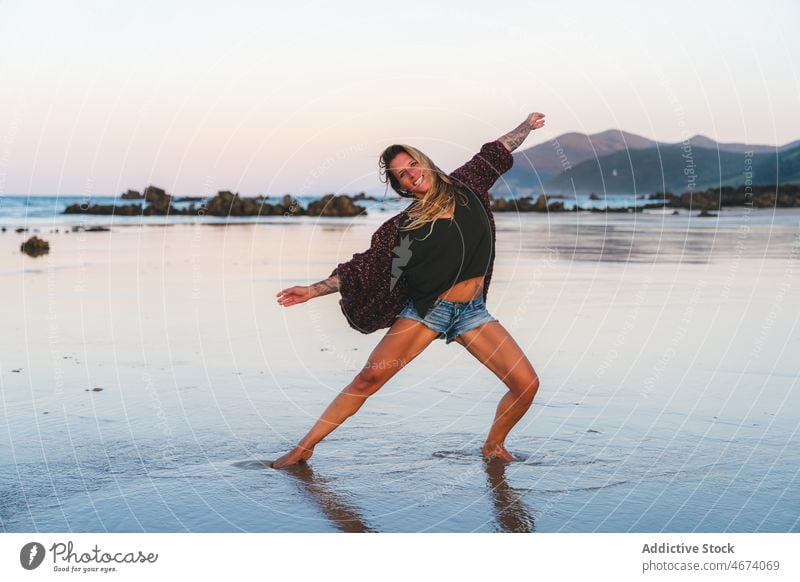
536,120
295,295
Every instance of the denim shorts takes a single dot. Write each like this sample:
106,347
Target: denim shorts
451,318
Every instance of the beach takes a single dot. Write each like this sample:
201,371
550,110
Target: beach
148,375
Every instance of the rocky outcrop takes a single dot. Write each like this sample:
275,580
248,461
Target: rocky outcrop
225,203
35,247
331,205
230,204
160,203
79,228
526,204
786,196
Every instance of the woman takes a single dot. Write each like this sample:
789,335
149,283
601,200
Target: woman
426,276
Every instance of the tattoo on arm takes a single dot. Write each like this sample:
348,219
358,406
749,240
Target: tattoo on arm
514,138
326,287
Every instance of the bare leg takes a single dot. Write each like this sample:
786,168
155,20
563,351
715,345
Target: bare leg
404,341
494,347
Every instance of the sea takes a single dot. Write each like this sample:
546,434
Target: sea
48,210
148,376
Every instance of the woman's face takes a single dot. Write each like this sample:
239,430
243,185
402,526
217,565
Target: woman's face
411,176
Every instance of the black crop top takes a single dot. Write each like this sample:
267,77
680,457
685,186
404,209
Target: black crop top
457,249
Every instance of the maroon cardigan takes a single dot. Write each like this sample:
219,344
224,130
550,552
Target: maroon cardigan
368,300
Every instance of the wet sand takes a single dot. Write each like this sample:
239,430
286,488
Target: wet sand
666,347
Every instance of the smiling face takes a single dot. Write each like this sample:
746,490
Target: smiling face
410,175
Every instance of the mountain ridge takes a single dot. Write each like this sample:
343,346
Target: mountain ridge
616,161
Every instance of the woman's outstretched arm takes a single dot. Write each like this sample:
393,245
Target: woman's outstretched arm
326,287
494,159
301,294
514,138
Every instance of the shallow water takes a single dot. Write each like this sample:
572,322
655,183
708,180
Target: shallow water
665,345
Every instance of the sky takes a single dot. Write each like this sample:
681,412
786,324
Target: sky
271,98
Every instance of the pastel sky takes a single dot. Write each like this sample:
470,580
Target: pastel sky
271,97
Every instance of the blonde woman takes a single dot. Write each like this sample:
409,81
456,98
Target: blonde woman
425,276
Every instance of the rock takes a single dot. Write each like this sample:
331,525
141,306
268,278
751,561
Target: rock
541,203
250,207
500,205
772,196
160,202
35,247
331,205
153,193
289,205
90,229
526,205
504,205
594,196
132,195
701,200
227,203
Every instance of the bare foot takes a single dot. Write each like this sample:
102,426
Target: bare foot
497,452
296,455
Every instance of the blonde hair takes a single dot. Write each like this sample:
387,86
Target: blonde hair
440,197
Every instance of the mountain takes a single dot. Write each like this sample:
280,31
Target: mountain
616,161
790,146
535,166
677,169
702,141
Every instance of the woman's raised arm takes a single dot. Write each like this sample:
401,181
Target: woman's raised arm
495,159
514,138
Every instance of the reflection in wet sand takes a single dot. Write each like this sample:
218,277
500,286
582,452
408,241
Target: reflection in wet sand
645,241
646,354
511,514
332,504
